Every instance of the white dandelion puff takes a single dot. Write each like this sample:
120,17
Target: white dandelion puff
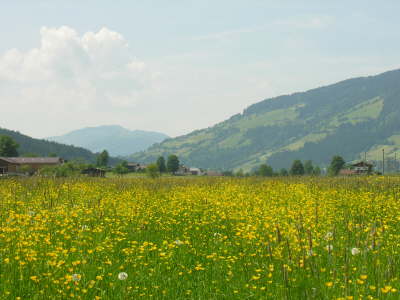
329,248
76,277
122,276
178,242
355,251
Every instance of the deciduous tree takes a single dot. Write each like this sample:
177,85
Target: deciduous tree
337,163
297,168
172,163
8,147
102,159
161,164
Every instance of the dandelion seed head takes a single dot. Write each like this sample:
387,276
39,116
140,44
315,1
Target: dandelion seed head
122,276
329,248
76,277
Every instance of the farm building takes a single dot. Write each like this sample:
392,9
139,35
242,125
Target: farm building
94,172
183,170
135,167
347,172
14,165
196,171
360,168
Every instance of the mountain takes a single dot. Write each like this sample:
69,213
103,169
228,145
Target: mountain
44,148
348,118
117,140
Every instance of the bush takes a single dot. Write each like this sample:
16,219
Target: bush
153,171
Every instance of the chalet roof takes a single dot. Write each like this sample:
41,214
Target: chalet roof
362,164
32,160
134,164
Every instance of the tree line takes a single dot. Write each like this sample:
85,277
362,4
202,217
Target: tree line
298,168
9,148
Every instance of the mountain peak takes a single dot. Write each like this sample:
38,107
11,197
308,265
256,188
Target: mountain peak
118,140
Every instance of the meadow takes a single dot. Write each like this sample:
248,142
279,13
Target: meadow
200,238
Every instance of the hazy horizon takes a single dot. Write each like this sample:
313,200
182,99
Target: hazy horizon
178,66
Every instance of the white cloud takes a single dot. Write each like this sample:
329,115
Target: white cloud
70,78
69,71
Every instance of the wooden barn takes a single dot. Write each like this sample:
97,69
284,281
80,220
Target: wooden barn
15,165
94,172
362,167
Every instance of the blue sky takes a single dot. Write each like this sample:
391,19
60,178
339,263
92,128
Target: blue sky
175,66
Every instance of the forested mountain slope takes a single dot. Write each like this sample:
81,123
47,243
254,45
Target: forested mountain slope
347,118
28,145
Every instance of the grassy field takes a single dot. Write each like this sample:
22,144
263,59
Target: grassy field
200,238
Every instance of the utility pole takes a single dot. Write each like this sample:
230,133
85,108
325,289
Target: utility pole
365,156
383,161
396,169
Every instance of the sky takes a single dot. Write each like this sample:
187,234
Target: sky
174,66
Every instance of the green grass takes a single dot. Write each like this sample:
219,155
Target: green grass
365,111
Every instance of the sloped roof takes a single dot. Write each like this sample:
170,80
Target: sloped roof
32,160
362,164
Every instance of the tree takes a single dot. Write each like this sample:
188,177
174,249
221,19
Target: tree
30,154
337,163
153,171
228,173
308,167
297,168
8,147
265,170
283,172
172,163
102,159
317,171
121,168
239,173
161,164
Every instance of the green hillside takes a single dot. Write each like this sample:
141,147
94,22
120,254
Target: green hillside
348,118
44,148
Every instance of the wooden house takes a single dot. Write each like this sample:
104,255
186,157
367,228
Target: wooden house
135,167
94,172
15,165
362,167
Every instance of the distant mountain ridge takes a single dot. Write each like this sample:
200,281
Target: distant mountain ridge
347,118
117,140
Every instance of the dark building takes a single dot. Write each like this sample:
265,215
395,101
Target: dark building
94,172
10,165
